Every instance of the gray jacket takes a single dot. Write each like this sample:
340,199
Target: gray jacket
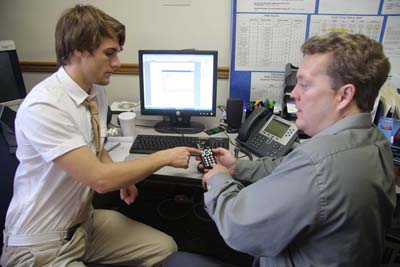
327,203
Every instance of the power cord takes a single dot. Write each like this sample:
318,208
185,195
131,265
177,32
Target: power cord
197,208
145,126
184,202
247,153
114,125
163,215
238,148
230,140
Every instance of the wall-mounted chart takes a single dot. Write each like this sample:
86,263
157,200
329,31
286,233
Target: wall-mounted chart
266,35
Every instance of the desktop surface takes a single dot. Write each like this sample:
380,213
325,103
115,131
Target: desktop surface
123,152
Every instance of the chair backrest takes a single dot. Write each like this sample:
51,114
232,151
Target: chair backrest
8,165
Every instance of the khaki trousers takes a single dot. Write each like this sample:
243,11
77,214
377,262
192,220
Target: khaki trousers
108,237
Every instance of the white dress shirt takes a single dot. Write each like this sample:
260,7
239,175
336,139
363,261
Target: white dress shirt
50,122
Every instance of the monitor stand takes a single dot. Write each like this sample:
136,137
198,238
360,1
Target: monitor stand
180,125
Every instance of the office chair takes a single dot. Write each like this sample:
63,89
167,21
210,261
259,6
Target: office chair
8,166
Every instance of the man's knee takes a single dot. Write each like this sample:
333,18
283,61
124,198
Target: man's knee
163,247
167,245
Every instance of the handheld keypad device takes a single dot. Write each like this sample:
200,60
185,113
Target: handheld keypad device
207,158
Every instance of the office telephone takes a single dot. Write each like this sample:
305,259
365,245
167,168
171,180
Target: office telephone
265,134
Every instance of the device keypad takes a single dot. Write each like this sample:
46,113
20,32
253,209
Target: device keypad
207,158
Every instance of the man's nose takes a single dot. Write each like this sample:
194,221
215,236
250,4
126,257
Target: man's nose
116,63
294,94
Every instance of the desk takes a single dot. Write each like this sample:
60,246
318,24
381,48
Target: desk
187,222
190,173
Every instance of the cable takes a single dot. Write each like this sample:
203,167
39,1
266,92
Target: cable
291,258
1,110
239,148
142,125
230,140
244,151
197,208
114,125
197,213
167,217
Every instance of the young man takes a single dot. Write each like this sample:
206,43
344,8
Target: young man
50,221
329,201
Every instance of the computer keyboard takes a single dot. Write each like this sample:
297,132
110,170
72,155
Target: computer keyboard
147,144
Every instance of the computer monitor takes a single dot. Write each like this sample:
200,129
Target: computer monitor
12,87
178,84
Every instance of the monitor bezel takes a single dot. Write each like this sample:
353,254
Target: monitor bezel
179,112
8,47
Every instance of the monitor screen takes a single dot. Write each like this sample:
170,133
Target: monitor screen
178,84
12,87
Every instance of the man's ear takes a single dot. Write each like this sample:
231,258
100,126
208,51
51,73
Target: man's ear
77,53
346,95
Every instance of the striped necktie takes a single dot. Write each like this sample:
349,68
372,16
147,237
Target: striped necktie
94,112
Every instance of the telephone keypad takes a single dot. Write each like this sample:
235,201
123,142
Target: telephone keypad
264,134
271,147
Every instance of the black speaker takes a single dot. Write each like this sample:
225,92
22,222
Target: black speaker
234,112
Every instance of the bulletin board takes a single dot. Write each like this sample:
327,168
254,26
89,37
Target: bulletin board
268,34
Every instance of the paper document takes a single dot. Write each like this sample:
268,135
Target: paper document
118,147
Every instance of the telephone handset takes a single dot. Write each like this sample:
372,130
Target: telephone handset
260,113
265,134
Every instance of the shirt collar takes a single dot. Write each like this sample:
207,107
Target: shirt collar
358,121
77,94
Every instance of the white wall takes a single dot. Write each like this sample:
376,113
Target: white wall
150,24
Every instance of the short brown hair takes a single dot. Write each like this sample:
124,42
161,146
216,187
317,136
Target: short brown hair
82,28
356,59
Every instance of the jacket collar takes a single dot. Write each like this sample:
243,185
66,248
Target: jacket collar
358,121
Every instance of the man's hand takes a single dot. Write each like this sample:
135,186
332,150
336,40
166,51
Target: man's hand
223,157
226,163
129,194
178,157
217,168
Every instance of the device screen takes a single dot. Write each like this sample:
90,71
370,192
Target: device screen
276,128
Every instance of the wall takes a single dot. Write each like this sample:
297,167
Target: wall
150,24
267,35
